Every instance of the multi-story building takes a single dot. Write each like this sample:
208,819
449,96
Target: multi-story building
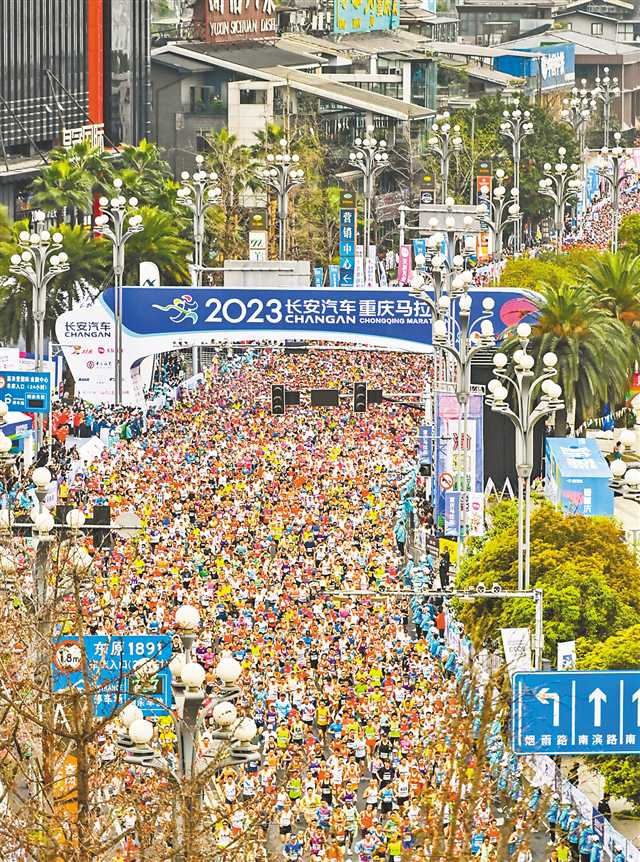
69,69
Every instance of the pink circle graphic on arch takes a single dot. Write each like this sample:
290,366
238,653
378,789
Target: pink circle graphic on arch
513,310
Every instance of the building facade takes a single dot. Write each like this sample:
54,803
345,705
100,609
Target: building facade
69,69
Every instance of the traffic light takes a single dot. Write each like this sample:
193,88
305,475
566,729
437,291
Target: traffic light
277,399
360,397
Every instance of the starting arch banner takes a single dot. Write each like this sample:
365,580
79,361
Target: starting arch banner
159,319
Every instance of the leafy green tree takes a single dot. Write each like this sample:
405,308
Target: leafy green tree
90,261
63,185
590,580
614,280
237,169
621,651
490,145
594,349
161,240
147,176
629,234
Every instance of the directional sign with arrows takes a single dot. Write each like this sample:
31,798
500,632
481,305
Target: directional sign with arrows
576,712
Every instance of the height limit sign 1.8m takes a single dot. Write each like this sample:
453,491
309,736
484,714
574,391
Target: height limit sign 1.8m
576,712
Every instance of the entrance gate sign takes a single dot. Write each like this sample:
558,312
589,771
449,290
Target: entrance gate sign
159,319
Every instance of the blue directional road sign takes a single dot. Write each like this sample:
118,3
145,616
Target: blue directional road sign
119,669
26,390
576,712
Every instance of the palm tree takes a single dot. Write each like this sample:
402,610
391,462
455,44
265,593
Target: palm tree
161,240
594,349
237,171
63,184
614,280
89,265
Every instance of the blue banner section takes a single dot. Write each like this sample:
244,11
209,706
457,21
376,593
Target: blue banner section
353,16
576,712
26,390
119,669
383,316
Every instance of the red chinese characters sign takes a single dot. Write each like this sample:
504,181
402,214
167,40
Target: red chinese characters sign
238,20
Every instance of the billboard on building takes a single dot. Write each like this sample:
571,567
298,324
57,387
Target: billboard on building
555,69
236,20
363,16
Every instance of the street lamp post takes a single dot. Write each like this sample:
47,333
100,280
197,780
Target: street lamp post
118,224
40,261
611,169
370,157
499,212
443,143
524,387
577,112
281,174
561,184
198,193
516,126
606,90
233,738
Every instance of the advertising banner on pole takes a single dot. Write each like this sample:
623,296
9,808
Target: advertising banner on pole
517,649
566,655
404,265
457,457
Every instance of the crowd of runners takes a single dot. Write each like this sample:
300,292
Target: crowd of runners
375,742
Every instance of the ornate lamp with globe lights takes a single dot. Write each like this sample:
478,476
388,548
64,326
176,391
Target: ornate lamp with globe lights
516,126
503,210
118,221
233,738
198,193
611,167
40,260
606,90
625,479
534,397
282,174
443,142
561,184
370,157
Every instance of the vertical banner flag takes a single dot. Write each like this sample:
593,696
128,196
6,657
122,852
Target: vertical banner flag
419,247
383,281
334,275
404,265
517,649
348,238
370,272
454,454
318,275
566,655
358,272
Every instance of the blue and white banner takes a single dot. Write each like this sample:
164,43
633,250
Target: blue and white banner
156,320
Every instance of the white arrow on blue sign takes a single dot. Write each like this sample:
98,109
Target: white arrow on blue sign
576,712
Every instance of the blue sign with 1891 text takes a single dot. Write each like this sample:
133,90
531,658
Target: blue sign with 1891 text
576,712
118,669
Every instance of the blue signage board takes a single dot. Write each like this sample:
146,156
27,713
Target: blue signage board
119,669
375,315
577,476
555,69
348,239
362,16
576,712
29,391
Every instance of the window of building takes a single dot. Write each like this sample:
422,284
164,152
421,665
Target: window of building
204,100
596,28
202,144
253,97
625,32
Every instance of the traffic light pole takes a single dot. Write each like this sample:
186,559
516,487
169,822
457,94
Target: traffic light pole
467,595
